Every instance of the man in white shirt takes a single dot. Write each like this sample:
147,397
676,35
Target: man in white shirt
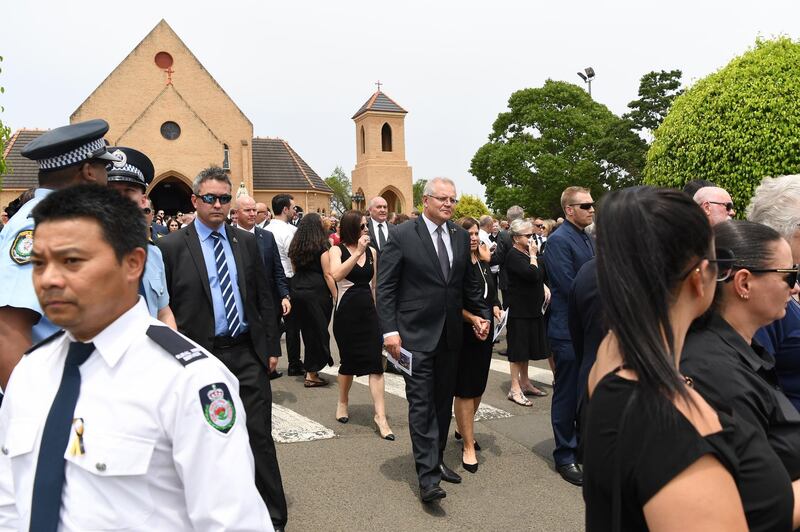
109,424
380,230
280,226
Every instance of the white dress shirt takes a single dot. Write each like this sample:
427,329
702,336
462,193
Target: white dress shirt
484,237
284,233
432,227
376,230
151,460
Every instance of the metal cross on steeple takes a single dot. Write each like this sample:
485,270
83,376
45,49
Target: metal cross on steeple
378,83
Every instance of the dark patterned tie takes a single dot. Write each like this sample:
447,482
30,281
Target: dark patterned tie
381,237
225,285
444,260
49,480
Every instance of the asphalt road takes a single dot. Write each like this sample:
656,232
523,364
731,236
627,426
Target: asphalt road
344,477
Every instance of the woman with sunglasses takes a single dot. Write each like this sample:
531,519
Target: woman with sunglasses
525,296
775,204
355,322
756,280
657,456
476,354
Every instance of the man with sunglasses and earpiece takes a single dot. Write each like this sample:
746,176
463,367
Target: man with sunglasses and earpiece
222,300
568,248
716,203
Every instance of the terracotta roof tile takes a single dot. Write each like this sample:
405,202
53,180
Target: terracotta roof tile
276,166
22,172
380,102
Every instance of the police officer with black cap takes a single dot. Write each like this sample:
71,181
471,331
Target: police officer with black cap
67,156
130,175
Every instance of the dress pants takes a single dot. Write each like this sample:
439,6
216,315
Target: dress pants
430,406
292,340
256,395
563,411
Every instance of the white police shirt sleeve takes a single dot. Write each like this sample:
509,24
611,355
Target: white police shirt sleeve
211,450
9,517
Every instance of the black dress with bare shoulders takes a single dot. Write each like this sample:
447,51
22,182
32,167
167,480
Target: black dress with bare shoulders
355,322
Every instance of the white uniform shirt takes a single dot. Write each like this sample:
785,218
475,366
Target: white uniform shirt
284,233
152,460
484,237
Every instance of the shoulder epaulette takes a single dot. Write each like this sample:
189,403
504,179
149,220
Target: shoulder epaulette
45,341
176,345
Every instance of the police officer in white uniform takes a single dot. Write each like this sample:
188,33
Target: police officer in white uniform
118,422
130,176
66,156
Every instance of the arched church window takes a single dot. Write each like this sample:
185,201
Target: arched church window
386,137
226,162
363,141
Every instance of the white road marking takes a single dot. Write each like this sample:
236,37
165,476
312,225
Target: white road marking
395,385
545,376
290,427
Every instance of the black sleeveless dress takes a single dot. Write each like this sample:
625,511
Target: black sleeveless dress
355,322
312,305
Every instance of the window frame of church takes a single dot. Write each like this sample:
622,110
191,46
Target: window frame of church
386,137
226,161
169,132
363,141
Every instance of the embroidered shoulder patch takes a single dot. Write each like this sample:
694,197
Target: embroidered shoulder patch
21,248
218,408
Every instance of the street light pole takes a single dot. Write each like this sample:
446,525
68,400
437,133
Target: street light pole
587,76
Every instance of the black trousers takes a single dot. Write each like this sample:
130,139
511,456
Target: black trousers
292,340
256,395
429,391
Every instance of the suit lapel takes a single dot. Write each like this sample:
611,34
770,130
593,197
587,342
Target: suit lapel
238,256
427,244
455,245
193,243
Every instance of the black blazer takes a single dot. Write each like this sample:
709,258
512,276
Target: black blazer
524,294
586,322
373,237
190,293
415,299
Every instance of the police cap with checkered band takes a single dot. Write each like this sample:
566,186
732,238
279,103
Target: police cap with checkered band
132,166
69,146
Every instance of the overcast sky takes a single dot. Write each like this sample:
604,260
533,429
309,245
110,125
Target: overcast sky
300,69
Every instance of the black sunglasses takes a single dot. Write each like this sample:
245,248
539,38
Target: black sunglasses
584,206
727,265
224,199
363,226
728,205
147,210
540,226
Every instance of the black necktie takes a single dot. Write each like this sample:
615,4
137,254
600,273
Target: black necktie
49,480
444,260
381,237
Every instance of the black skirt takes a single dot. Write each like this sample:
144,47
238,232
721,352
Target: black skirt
527,339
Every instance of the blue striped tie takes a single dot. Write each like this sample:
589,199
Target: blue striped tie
224,277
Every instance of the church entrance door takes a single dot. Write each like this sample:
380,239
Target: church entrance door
172,195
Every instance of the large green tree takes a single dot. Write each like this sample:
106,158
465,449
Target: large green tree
419,188
342,195
469,205
735,126
657,90
553,137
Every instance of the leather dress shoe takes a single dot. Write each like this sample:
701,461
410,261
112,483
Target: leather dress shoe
275,375
571,473
448,475
278,528
431,493
294,371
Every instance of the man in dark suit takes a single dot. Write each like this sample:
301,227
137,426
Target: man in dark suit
380,230
247,208
568,248
156,229
222,301
425,279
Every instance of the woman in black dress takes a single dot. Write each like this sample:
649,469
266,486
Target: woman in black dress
476,355
656,454
313,290
525,296
355,323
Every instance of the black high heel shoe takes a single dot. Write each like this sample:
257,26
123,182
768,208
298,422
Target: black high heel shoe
472,468
474,444
388,436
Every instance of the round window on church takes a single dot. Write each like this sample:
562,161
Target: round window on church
170,130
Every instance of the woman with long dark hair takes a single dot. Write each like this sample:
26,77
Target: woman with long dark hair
355,323
313,290
656,455
476,354
728,367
